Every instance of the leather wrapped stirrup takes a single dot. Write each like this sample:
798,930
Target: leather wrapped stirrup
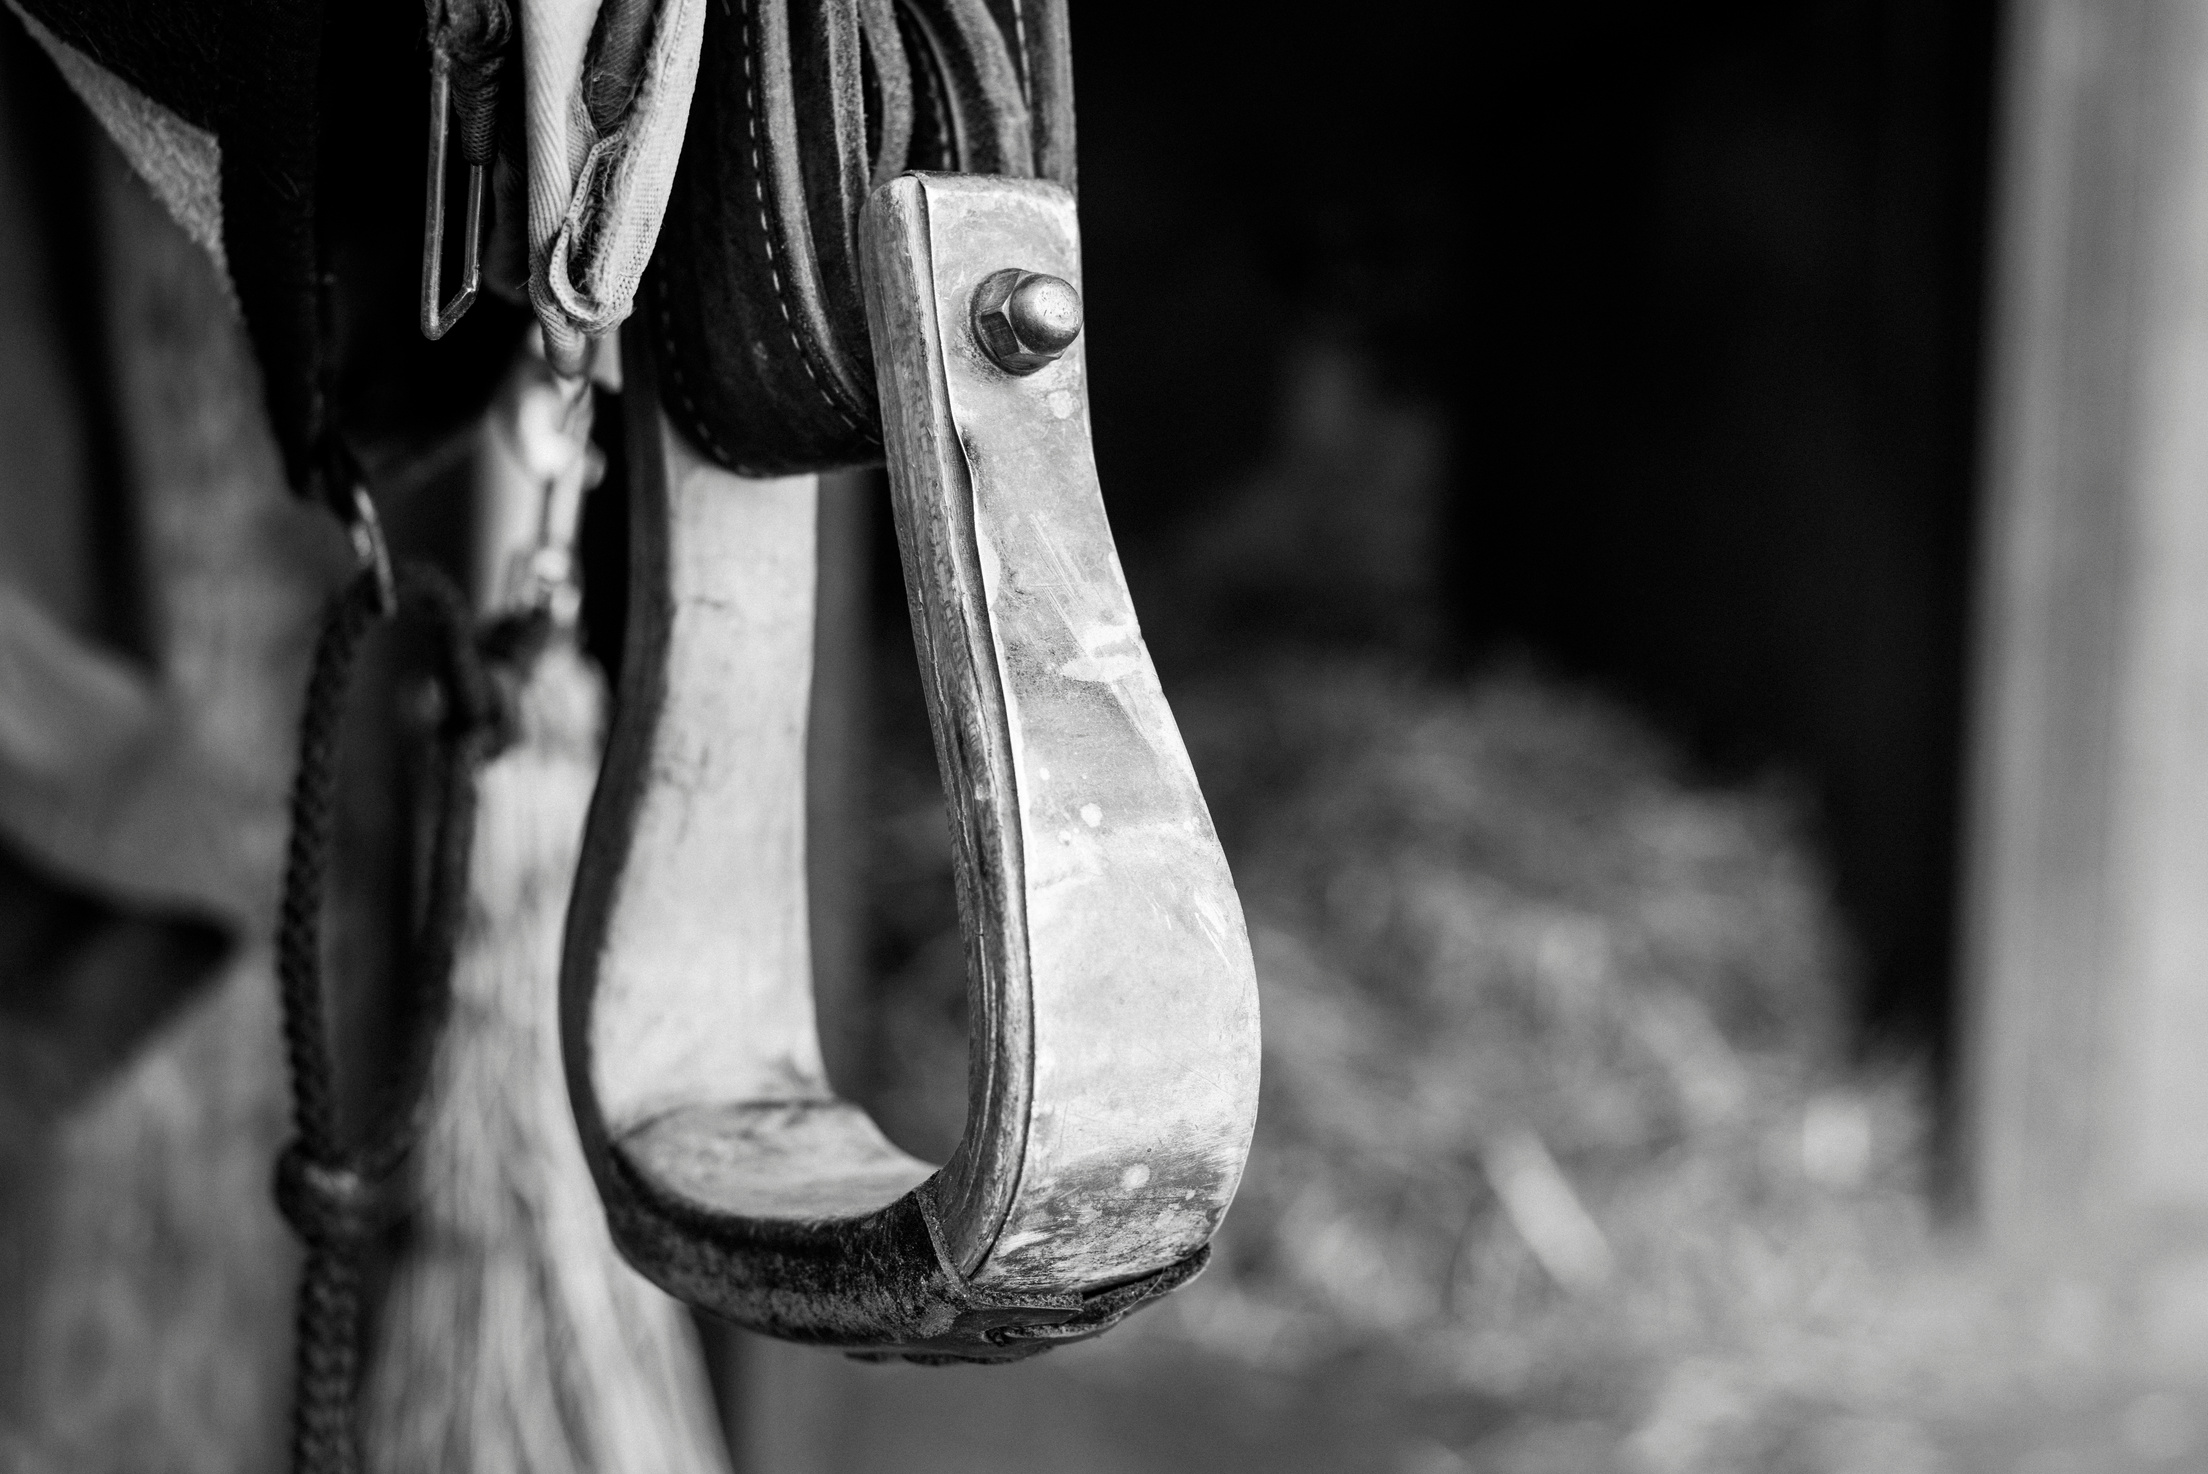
1114,1036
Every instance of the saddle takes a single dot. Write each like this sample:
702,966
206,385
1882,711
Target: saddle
826,234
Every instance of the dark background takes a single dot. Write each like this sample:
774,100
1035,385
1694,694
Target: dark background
1694,295
1697,296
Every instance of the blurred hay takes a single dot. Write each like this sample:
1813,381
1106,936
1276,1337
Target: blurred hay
1564,1164
1487,916
1503,933
1567,1160
1562,1154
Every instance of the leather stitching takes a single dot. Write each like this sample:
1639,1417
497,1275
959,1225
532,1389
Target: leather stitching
766,225
693,421
1019,47
939,111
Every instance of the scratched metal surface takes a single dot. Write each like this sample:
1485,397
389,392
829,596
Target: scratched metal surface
933,504
1144,999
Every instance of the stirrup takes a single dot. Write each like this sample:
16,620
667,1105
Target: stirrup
1113,1049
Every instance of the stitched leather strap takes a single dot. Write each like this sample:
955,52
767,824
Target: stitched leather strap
801,107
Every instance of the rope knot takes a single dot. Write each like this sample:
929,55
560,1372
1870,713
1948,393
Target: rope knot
332,1204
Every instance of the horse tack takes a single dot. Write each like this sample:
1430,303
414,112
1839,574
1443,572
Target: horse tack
1114,1052
811,305
1113,1056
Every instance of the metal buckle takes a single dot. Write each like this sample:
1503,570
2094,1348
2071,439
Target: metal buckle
439,317
1114,1053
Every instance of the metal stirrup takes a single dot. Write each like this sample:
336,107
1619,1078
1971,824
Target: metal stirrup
1114,1033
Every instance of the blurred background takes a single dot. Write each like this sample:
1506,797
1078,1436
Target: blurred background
1679,545
1649,523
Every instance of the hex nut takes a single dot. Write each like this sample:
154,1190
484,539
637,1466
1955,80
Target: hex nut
1025,320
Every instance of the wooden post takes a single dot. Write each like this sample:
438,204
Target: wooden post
2086,916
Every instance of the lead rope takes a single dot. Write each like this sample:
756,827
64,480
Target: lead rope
338,1198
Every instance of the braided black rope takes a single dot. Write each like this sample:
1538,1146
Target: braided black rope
338,1197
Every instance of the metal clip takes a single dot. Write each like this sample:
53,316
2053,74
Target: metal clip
438,317
365,529
545,465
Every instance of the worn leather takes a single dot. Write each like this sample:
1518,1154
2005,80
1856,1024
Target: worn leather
244,70
753,299
880,1287
801,105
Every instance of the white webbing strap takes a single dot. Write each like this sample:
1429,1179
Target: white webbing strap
598,189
